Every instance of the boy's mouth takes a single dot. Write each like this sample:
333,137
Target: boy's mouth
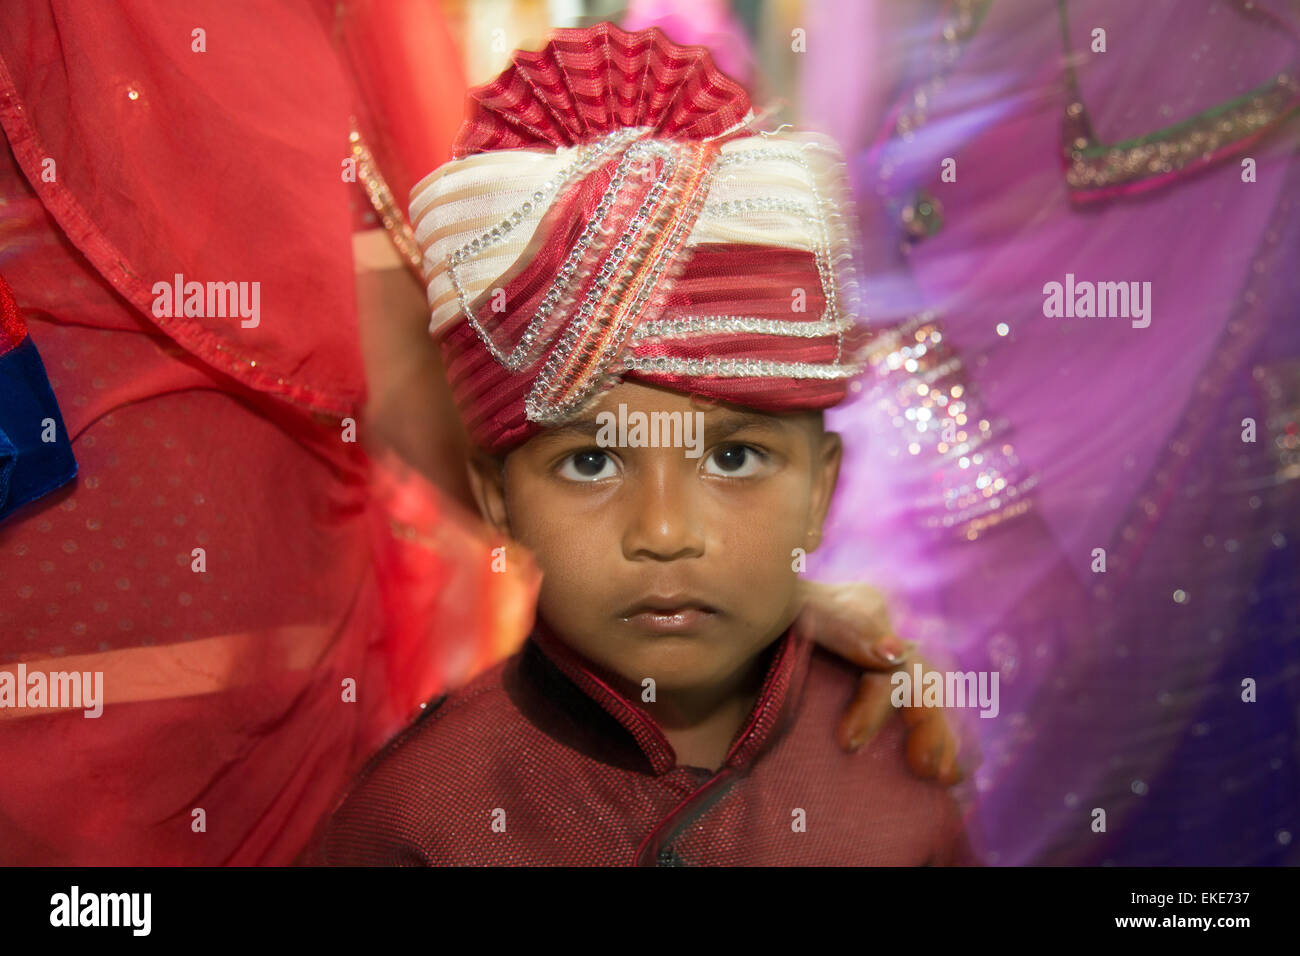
673,614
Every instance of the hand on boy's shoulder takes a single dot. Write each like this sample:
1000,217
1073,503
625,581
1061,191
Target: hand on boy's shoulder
852,621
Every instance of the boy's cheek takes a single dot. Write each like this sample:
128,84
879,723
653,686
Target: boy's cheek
770,589
572,597
767,609
563,549
770,548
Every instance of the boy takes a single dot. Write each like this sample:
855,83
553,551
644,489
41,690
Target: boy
644,312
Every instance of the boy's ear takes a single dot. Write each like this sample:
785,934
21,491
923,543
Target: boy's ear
826,474
487,480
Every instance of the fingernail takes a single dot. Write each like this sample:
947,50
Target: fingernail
891,649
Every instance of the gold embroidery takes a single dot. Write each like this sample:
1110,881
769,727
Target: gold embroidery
381,197
1196,141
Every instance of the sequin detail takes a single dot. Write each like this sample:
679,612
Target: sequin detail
921,389
688,326
627,279
738,368
525,351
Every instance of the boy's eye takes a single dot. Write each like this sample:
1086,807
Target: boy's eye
734,461
590,465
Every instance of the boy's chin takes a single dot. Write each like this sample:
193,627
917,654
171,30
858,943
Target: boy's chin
684,668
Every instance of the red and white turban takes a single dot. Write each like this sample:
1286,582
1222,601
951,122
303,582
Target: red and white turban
608,215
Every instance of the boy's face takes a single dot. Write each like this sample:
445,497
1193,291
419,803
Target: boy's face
658,564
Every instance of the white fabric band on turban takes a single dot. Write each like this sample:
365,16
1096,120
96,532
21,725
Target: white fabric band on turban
783,189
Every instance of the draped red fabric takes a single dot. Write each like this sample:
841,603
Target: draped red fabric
410,83
12,327
226,156
266,602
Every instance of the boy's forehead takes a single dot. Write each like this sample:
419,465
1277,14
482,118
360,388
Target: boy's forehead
637,399
644,397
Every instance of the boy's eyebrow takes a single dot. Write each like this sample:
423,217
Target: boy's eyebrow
730,421
717,423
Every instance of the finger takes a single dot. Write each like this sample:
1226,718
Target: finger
925,747
867,712
954,773
848,637
941,715
890,651
853,640
968,760
849,620
961,754
913,713
946,766
915,716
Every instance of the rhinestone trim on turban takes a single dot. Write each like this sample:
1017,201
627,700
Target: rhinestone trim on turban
608,217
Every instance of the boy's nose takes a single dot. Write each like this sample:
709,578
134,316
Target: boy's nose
662,515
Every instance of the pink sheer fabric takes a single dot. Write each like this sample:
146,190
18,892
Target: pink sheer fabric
1117,437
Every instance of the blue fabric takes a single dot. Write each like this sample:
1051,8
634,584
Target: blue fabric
29,466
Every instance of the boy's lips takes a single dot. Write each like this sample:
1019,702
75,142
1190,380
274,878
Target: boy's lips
669,615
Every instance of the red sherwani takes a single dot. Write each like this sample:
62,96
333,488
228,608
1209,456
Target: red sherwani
539,762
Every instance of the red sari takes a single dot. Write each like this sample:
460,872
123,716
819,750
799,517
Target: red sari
228,723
